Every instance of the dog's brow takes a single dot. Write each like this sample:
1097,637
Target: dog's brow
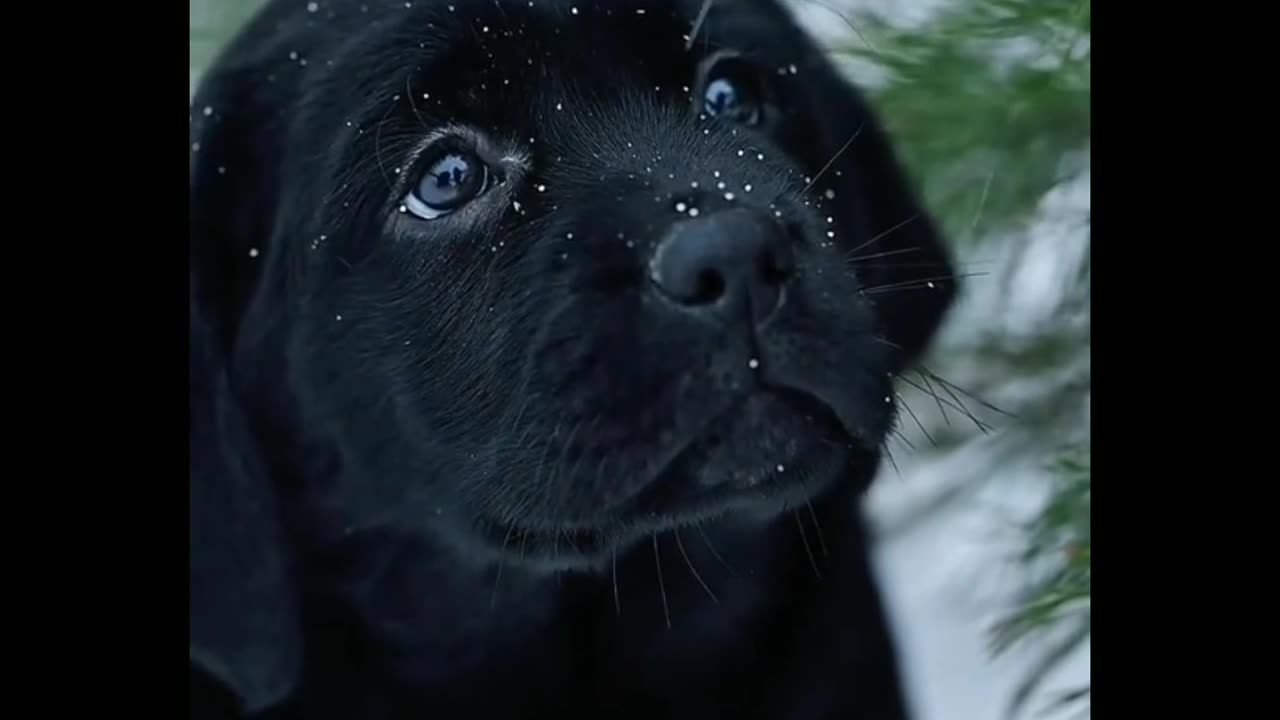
697,24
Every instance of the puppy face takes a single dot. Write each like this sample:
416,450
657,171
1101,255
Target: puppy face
555,276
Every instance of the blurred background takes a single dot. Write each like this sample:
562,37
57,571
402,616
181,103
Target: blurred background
983,514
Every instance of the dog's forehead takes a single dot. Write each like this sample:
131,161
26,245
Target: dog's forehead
619,35
490,60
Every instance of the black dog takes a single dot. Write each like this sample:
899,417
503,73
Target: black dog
540,352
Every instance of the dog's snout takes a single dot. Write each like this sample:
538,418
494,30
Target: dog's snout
723,261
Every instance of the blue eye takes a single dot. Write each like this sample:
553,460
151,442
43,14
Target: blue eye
732,92
450,181
721,96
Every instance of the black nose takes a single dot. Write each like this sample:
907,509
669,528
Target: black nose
723,261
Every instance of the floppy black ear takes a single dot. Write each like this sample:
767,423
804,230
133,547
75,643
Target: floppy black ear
898,253
243,624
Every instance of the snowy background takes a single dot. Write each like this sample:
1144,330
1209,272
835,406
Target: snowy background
950,514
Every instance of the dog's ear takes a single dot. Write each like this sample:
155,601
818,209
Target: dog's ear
243,623
900,257
897,250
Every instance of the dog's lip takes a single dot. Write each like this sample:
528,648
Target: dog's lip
633,517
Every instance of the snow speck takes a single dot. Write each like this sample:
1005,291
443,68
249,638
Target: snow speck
568,236
831,233
792,69
746,188
313,7
781,468
195,147
681,207
741,153
516,204
253,252
207,111
222,169
573,10
559,106
729,196
760,156
693,212
931,284
753,363
404,208
541,188
338,318
888,399
830,193
293,55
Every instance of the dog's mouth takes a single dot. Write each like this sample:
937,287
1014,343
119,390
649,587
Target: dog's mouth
771,452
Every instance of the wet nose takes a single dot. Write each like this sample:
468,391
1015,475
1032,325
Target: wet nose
724,261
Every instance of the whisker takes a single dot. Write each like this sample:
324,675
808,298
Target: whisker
919,282
846,20
896,433
941,409
617,597
569,539
947,383
934,265
493,598
804,539
884,233
982,201
573,469
548,446
894,463
694,570
955,404
817,526
697,24
887,341
560,464
711,548
666,611
835,157
377,145
408,91
907,407
851,259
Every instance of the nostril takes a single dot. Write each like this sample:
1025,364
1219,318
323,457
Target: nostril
775,268
709,287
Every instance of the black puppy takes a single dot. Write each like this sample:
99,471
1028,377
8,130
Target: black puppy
540,352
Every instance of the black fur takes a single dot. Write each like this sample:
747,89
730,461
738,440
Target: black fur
475,467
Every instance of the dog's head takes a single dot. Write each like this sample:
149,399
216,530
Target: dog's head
553,270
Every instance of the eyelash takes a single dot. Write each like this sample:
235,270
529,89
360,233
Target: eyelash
432,155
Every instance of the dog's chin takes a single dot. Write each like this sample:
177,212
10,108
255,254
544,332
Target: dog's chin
771,453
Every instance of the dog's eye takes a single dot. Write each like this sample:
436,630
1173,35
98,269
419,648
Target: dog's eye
452,178
732,92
